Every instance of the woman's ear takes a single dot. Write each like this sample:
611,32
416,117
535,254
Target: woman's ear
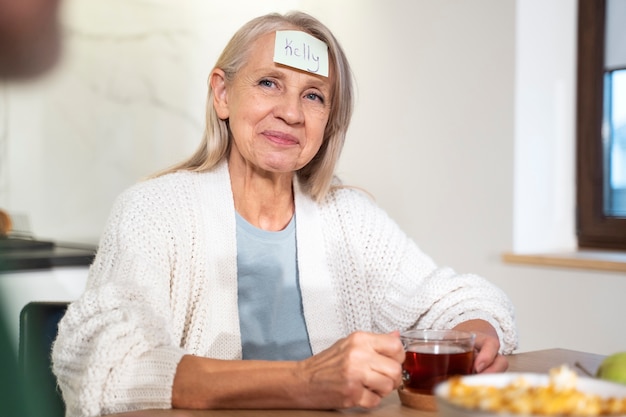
217,81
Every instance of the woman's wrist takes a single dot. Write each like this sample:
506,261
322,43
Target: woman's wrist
477,326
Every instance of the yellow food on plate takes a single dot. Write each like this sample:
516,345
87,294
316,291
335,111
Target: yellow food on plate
559,397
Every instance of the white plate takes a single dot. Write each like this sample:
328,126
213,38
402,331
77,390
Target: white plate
586,385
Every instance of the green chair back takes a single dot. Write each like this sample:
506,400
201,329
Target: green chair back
38,329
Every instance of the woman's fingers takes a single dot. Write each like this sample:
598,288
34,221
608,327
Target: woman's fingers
499,364
383,378
487,346
488,359
389,345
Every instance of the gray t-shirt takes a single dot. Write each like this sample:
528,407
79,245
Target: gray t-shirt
270,305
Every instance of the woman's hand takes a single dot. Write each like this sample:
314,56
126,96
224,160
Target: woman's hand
487,344
357,371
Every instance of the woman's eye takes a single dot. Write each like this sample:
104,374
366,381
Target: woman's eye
266,83
315,97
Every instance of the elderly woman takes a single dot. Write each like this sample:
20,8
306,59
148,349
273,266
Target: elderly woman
250,277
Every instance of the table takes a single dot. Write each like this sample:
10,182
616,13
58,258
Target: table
537,361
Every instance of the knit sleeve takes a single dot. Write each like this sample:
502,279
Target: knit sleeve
115,348
384,270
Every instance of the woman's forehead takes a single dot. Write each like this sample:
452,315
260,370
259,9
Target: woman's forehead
262,55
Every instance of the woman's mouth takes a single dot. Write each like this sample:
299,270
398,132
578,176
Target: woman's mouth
280,138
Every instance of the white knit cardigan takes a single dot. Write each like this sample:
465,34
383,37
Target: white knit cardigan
164,284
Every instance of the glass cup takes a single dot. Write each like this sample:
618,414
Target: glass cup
433,356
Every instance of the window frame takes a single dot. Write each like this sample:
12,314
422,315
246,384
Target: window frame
593,228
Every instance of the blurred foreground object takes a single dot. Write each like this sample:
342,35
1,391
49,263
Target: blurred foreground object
29,37
29,45
560,393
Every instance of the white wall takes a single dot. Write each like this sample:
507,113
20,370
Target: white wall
544,187
450,93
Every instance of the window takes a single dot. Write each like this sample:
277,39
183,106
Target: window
614,140
601,124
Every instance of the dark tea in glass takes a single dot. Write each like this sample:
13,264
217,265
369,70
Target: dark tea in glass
433,356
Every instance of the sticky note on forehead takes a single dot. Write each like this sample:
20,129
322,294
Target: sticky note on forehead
300,50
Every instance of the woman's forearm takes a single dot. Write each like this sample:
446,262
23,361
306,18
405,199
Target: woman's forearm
204,383
356,371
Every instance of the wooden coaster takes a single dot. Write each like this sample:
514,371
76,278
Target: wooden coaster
418,401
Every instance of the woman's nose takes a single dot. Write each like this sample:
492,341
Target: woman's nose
289,108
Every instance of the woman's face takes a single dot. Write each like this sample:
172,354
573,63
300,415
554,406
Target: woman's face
277,114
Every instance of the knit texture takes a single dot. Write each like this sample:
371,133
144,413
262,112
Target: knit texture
164,284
